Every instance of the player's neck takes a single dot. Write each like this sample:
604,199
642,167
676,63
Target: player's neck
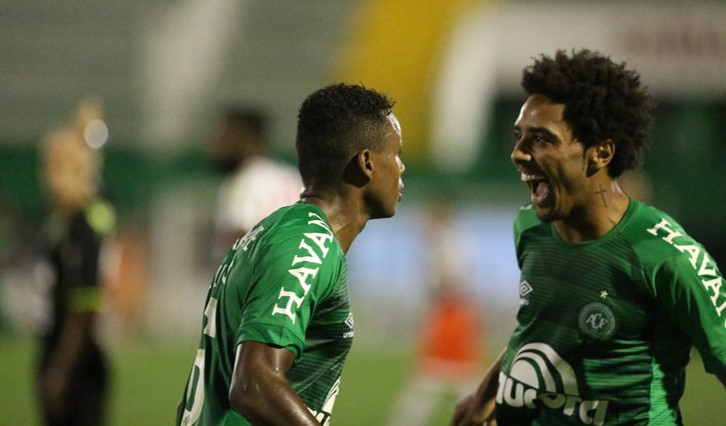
594,218
344,219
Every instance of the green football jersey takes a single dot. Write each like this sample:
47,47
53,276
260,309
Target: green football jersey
283,283
605,328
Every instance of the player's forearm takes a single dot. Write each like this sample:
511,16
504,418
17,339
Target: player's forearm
487,389
270,402
478,407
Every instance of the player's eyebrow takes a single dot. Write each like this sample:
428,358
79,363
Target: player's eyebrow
537,130
543,131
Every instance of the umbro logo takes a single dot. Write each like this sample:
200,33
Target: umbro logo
524,289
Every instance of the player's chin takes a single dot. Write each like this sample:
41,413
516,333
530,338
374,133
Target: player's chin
394,205
384,212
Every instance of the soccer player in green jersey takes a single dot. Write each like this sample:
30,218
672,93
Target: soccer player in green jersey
613,292
277,323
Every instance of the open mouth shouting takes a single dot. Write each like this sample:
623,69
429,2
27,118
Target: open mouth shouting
539,187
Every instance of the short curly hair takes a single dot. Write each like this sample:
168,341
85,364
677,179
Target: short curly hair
333,123
603,100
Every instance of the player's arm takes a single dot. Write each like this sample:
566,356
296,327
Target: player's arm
691,299
259,389
478,408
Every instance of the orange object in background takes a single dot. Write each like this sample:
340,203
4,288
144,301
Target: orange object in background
452,341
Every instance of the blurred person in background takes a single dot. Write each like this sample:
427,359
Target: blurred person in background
73,375
450,345
277,323
637,185
254,184
613,293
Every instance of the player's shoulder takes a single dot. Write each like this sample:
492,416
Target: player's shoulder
296,232
528,226
644,222
297,219
526,219
656,236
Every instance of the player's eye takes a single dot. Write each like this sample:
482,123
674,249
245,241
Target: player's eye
540,139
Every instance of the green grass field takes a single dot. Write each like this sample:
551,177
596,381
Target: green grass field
149,378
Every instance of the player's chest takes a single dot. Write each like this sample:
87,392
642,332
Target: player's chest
587,298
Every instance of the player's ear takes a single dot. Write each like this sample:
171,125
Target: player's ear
359,169
365,161
599,156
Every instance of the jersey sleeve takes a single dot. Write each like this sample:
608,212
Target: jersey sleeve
690,288
291,278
